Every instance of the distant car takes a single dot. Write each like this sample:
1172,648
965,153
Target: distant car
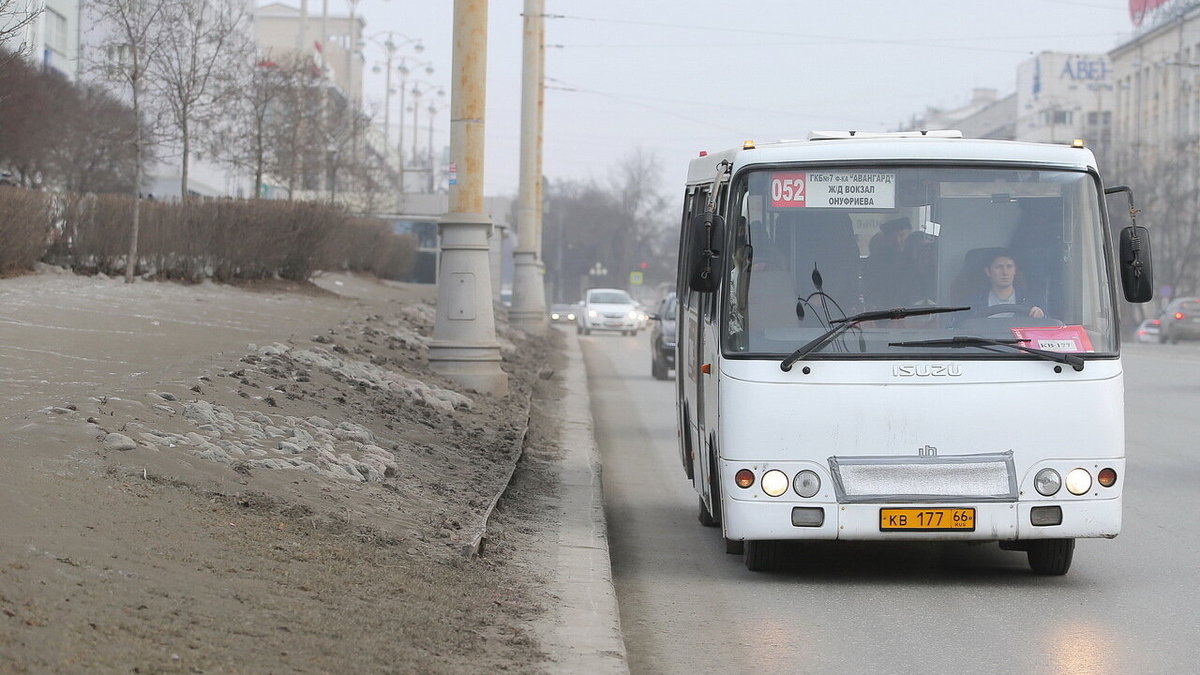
1180,321
662,339
562,313
1149,331
609,309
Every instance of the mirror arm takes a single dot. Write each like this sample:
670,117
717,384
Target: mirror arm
1128,193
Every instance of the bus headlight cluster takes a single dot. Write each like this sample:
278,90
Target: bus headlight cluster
1079,481
775,483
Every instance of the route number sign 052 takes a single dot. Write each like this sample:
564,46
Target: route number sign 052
833,190
787,189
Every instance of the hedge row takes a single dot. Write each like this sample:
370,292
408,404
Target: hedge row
223,240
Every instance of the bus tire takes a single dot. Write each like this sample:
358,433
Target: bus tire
685,445
714,481
762,555
1051,556
706,519
735,546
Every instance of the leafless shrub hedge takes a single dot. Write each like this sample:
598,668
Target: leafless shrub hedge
371,246
223,240
25,228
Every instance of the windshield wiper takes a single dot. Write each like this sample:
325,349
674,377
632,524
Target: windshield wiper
972,341
852,321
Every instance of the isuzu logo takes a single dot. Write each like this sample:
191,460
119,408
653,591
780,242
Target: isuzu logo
928,370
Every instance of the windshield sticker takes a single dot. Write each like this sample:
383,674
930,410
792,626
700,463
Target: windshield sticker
833,190
1055,339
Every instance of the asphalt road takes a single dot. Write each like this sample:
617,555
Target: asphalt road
1128,605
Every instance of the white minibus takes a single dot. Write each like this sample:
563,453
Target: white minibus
904,337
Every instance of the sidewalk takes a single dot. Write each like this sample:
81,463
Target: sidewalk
584,628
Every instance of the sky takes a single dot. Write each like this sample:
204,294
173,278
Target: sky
673,77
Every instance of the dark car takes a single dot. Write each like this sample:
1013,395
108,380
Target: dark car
563,313
1181,320
662,339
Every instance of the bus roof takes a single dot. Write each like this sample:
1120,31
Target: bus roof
834,147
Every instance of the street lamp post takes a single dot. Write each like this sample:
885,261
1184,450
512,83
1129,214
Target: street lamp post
464,346
429,148
417,93
404,71
391,46
529,294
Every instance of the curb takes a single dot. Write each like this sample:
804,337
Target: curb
586,633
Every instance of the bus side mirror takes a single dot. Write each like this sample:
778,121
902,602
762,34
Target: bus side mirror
704,252
1137,269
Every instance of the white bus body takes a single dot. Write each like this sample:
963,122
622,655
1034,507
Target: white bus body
949,435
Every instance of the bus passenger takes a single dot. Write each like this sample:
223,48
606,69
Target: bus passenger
884,277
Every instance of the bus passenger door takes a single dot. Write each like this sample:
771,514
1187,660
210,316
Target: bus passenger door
687,367
707,347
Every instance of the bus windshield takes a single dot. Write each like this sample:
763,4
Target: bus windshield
1022,248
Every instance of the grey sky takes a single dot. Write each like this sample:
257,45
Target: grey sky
677,76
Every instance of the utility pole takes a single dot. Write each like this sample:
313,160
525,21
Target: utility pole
529,293
464,346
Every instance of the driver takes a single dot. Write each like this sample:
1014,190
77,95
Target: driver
1001,271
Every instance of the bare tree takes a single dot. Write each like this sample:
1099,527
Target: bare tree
94,153
242,141
15,17
618,227
292,134
31,114
201,43
135,28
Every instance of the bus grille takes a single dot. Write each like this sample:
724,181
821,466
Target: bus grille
987,477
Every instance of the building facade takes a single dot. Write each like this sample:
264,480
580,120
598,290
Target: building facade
51,40
1062,97
332,41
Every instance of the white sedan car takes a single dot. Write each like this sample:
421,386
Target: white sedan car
608,309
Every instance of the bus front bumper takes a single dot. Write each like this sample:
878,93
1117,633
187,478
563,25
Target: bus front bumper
994,521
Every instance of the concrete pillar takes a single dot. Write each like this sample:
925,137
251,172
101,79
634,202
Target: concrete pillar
464,346
529,289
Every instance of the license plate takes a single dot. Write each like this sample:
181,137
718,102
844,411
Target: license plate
927,520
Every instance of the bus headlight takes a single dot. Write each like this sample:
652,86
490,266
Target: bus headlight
775,482
1047,482
806,483
1079,481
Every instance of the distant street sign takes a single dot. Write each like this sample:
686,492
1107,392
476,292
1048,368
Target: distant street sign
635,278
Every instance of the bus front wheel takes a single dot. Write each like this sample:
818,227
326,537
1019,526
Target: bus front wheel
762,556
1051,556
